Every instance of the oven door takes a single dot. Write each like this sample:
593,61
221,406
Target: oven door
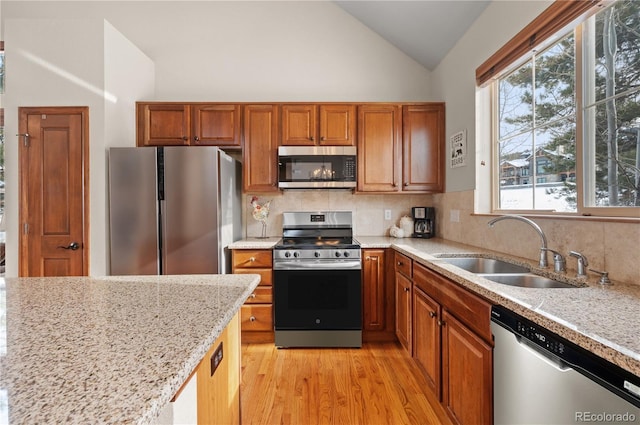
317,299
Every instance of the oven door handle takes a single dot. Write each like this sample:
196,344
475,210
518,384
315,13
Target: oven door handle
306,265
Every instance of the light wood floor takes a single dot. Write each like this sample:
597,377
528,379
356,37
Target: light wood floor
376,384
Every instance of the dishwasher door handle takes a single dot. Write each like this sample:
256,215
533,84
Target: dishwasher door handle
543,355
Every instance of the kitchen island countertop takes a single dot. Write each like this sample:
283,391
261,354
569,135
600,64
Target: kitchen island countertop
107,349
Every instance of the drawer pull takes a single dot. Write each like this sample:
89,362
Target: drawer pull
252,319
432,314
252,259
252,295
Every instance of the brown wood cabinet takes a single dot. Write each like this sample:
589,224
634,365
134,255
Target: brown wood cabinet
423,143
218,386
401,148
453,346
257,312
379,147
318,124
181,124
403,292
260,153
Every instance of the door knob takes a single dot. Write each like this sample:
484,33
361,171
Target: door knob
72,246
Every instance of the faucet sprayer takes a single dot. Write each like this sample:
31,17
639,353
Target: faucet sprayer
543,249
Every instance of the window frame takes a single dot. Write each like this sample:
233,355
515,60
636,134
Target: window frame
577,25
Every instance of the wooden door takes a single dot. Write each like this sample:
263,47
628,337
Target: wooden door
216,125
423,147
337,125
54,191
299,127
379,137
260,153
467,374
426,337
163,124
373,295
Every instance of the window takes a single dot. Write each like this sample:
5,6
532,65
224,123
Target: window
571,107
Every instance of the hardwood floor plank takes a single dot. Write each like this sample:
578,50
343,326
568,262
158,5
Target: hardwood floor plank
376,384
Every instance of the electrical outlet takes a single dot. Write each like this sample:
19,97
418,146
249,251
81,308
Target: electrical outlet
454,216
387,214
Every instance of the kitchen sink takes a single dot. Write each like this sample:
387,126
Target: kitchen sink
526,280
485,265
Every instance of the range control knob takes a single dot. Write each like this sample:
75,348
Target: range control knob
337,254
287,254
296,254
316,254
346,253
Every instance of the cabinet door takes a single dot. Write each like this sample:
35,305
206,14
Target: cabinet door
216,125
423,147
260,162
379,161
218,386
403,311
373,272
337,125
299,127
466,374
426,338
160,124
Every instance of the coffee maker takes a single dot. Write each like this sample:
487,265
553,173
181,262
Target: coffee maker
424,222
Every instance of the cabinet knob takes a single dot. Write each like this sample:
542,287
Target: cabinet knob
367,258
312,138
406,184
185,138
196,138
323,138
399,263
252,295
252,319
252,259
406,289
440,322
432,314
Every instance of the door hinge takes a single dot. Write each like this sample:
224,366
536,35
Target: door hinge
25,228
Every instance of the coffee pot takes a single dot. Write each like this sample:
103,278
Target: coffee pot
424,222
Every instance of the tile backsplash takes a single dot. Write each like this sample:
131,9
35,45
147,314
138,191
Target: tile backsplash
368,210
609,246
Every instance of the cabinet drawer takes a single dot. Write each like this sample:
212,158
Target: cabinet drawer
467,307
252,258
256,317
402,264
261,295
266,275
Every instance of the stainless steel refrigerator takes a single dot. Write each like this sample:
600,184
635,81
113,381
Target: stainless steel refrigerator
173,210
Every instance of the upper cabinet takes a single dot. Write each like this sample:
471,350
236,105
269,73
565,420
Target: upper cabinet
318,124
423,147
379,143
260,153
401,147
176,124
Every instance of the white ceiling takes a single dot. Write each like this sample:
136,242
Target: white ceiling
423,29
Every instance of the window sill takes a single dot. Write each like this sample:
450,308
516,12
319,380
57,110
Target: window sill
570,217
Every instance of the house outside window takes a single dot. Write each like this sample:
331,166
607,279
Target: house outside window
572,108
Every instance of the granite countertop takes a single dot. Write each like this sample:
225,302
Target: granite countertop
602,319
107,349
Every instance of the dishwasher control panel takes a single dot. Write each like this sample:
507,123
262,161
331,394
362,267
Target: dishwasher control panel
543,339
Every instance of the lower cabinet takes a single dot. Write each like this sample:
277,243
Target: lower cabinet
257,312
452,345
377,295
403,293
212,392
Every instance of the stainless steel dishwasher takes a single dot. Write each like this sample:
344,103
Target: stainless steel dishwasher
541,378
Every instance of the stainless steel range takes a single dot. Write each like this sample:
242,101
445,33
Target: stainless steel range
317,281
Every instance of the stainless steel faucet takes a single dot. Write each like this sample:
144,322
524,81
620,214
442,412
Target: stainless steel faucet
582,263
543,249
559,263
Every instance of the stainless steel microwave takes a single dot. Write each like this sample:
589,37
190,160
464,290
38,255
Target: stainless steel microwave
316,167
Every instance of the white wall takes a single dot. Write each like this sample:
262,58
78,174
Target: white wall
67,62
454,78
